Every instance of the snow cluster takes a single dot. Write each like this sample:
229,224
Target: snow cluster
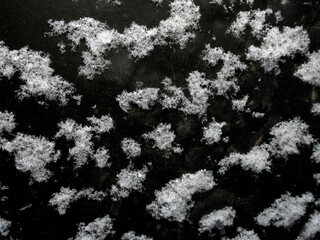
285,211
138,39
99,229
213,132
130,147
34,69
32,154
62,199
174,200
4,227
129,180
229,5
7,122
163,138
311,228
287,136
132,236
143,98
310,72
278,44
217,219
82,137
315,157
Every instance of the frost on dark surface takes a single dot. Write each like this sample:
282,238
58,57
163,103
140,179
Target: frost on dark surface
201,119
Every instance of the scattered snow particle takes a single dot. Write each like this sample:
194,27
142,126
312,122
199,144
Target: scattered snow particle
257,114
239,104
174,200
285,211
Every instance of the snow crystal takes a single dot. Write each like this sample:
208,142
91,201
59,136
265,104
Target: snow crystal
130,147
217,219
99,229
277,44
143,98
174,200
285,211
310,72
132,236
32,154
257,114
35,71
129,180
213,132
311,228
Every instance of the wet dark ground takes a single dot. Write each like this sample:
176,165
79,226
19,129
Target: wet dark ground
281,97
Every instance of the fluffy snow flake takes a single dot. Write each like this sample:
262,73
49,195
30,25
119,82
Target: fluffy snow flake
99,229
316,153
257,160
4,227
277,44
7,122
288,136
81,135
62,199
163,138
244,234
34,69
143,98
315,110
310,72
32,154
174,200
311,228
101,125
213,132
132,236
217,219
239,104
130,147
285,211
129,180
102,157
